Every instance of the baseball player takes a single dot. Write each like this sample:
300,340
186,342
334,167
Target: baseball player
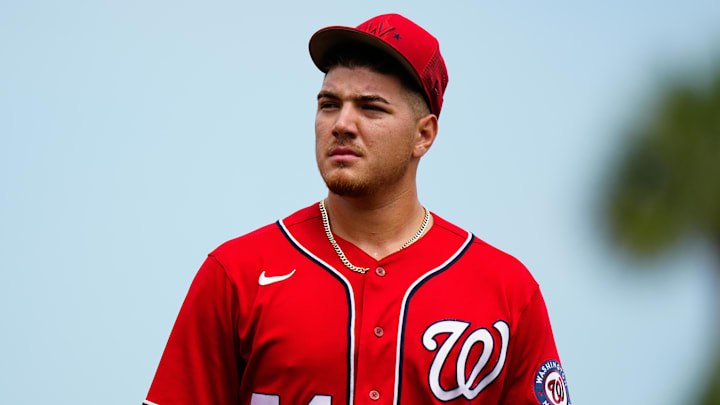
365,297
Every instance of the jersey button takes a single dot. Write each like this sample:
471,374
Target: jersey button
374,395
378,331
380,271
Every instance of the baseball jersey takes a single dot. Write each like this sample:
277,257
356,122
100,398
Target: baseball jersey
275,318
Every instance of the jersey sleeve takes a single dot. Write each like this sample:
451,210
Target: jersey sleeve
535,375
199,365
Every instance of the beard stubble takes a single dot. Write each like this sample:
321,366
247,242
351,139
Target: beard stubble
367,183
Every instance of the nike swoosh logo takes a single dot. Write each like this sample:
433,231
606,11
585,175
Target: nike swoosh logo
265,280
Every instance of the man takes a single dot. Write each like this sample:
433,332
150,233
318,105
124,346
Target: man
365,297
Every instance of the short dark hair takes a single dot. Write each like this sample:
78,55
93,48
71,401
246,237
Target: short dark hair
356,55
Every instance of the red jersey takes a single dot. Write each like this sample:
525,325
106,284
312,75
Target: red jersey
275,318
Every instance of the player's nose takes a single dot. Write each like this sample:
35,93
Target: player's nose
345,122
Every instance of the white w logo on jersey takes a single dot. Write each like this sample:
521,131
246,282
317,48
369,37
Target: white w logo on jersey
464,385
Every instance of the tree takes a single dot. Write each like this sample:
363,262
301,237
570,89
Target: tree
667,185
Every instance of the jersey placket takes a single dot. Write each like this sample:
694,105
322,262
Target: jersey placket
379,295
377,334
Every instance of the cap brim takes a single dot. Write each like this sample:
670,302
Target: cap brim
328,39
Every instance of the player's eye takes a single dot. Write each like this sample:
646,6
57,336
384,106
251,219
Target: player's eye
327,104
373,107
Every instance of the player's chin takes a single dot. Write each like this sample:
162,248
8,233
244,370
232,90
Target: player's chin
343,183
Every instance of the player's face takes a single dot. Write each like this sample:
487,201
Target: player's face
365,132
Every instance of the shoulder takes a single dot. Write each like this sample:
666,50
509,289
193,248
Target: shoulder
500,261
267,240
504,269
484,261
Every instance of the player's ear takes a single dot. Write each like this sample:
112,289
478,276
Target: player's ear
427,128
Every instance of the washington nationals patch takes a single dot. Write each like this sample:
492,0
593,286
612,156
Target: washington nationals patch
551,385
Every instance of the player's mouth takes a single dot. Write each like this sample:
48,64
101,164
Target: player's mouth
343,154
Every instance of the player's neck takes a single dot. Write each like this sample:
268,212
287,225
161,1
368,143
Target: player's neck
379,225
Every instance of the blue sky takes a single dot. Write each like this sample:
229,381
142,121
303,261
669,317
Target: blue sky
137,136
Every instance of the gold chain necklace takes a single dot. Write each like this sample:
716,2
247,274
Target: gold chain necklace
341,255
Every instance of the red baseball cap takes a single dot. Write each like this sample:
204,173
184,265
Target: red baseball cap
408,43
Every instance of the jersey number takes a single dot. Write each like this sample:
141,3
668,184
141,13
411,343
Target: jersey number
265,399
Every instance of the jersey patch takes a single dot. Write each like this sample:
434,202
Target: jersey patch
551,385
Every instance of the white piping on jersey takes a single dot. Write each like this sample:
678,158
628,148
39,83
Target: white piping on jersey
351,391
402,311
146,402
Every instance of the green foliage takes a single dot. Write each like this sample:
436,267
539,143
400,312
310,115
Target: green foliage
668,183
711,396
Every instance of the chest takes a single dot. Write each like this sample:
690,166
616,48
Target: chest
395,335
